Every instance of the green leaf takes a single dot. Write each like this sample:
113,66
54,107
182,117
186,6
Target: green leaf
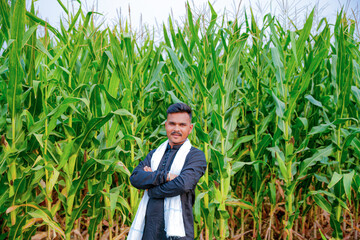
218,75
331,195
272,193
347,179
308,162
217,121
356,183
279,70
335,179
280,106
194,33
239,165
265,141
87,170
174,98
356,94
322,202
265,122
120,167
94,222
124,112
197,206
19,188
54,174
199,80
204,137
280,157
181,71
47,218
42,48
114,194
16,73
322,235
155,76
302,82
76,213
95,101
336,226
4,197
65,156
240,203
28,34
43,23
238,142
313,101
304,34
213,19
219,163
123,202
16,231
72,24
58,111
93,125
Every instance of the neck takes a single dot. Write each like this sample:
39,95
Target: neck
173,144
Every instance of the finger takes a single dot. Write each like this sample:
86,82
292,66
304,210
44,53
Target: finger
147,169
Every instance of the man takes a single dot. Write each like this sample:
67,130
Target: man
169,174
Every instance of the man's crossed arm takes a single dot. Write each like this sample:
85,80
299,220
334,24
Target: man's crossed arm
161,184
169,176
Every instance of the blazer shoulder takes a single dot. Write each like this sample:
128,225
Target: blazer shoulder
196,153
195,150
152,152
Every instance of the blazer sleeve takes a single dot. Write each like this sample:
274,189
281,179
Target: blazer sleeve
194,168
146,180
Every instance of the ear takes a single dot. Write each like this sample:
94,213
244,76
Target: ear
191,127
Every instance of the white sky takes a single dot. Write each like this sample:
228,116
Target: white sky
155,12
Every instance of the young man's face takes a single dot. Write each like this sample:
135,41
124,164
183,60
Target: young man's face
178,126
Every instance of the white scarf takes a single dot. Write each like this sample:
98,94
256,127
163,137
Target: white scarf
174,224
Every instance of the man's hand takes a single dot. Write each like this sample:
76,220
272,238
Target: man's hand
147,169
170,176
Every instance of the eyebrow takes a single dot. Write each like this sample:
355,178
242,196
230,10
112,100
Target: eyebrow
178,122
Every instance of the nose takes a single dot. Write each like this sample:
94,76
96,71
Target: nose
176,128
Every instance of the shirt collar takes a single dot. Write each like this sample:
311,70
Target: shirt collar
175,147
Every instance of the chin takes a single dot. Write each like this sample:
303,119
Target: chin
178,142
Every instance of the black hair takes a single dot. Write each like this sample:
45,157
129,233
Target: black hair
179,107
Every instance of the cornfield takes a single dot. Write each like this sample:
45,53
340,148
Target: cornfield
276,113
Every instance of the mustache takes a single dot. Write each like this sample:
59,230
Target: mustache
172,133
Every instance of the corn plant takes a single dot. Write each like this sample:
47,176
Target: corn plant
276,113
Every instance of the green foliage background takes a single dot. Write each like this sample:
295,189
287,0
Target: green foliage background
275,111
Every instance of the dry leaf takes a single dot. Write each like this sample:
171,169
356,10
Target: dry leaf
39,236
